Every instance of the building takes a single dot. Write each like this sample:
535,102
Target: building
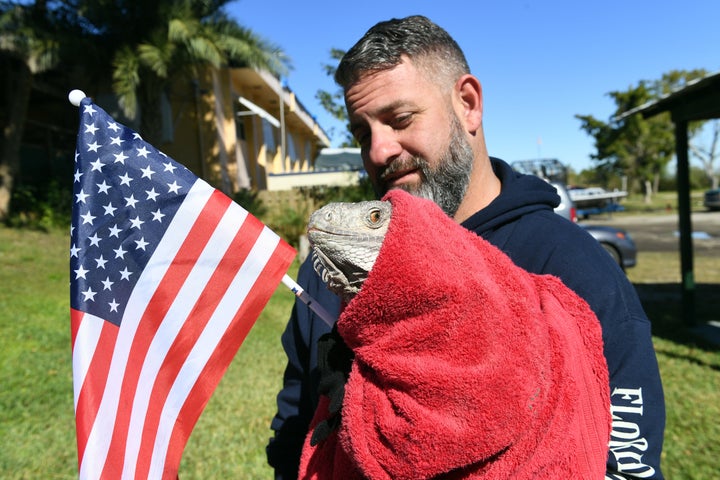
237,128
245,130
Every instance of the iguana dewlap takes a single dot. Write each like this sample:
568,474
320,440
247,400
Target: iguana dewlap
346,239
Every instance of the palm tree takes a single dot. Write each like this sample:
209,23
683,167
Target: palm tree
159,41
146,44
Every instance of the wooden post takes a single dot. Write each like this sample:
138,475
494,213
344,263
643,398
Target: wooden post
685,223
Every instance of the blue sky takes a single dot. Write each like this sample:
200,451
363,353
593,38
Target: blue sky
540,62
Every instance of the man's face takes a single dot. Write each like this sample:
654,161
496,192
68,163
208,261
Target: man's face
410,136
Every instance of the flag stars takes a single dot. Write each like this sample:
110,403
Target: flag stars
173,187
107,284
136,222
96,166
125,179
103,187
130,201
81,272
109,209
120,157
89,295
147,172
115,231
125,274
101,262
87,218
94,240
158,215
141,244
80,197
152,194
116,175
89,109
113,305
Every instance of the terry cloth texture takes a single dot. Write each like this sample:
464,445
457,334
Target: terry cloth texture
465,366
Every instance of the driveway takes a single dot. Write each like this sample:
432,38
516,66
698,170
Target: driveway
660,233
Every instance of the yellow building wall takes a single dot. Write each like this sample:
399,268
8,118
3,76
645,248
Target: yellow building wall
206,134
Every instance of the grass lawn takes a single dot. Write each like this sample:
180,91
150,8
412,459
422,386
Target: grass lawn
36,406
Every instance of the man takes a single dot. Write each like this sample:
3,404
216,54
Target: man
417,111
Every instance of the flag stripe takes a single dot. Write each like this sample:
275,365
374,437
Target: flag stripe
220,360
102,431
96,339
88,330
161,320
241,288
149,403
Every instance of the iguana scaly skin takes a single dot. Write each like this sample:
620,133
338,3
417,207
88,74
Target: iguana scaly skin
346,240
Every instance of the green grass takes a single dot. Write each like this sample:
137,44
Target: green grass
660,203
689,365
36,406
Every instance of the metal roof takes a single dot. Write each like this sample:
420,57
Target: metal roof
697,100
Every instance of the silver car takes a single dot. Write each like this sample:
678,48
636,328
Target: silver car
712,199
615,241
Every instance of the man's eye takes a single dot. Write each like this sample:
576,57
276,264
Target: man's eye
361,137
402,121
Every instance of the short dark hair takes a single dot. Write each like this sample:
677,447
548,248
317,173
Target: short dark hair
416,37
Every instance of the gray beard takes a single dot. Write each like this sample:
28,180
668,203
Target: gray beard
447,184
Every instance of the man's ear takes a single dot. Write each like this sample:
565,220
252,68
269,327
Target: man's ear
468,93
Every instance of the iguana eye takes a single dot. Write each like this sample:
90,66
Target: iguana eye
374,217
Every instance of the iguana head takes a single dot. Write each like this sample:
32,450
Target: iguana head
346,239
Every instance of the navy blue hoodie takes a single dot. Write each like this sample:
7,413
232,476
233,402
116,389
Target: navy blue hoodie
521,222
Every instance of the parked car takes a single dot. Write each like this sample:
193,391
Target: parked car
566,208
712,199
615,241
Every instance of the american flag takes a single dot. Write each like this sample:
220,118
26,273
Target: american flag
168,275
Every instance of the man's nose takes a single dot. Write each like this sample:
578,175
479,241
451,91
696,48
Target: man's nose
384,147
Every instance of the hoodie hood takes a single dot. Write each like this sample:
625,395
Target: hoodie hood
520,194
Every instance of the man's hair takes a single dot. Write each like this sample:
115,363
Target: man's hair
427,45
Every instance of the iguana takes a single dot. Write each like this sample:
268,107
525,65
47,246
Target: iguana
461,364
346,240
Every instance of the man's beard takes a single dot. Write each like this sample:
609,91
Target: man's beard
447,183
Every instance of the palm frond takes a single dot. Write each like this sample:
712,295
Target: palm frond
157,57
126,79
205,50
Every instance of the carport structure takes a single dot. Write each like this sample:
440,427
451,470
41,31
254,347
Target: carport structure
698,100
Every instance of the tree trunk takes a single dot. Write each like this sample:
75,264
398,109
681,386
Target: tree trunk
648,190
150,111
17,97
656,183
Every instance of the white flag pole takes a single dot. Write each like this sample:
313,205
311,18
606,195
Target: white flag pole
76,96
308,300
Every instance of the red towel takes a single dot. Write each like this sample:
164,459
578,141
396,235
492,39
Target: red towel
466,366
